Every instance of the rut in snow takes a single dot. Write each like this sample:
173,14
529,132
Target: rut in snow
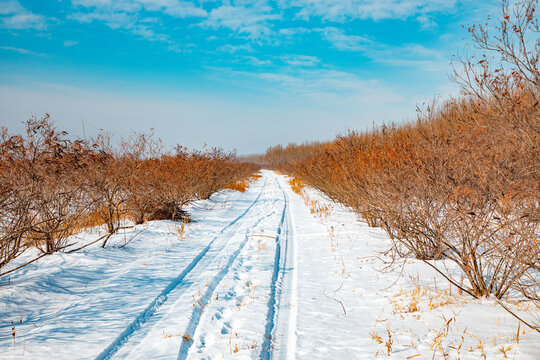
281,315
151,309
207,296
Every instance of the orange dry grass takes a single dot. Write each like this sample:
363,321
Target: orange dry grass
420,299
76,226
92,219
296,185
244,184
317,208
241,186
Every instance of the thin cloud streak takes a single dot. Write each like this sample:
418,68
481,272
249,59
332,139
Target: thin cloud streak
22,51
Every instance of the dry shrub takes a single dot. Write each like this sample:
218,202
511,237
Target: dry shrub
52,187
462,183
42,172
441,188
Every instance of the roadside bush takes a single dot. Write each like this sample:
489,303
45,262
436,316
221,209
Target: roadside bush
52,187
462,183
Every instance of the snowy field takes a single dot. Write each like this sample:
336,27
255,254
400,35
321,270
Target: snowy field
262,274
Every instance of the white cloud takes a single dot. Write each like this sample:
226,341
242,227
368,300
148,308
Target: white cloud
407,55
293,31
114,20
412,56
130,6
69,43
301,60
10,7
426,22
15,17
124,21
343,10
342,41
229,48
252,21
314,84
148,33
181,49
175,8
256,61
128,15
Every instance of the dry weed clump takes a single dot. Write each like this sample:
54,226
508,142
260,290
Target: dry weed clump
52,187
462,183
422,299
244,184
447,339
240,186
296,185
316,208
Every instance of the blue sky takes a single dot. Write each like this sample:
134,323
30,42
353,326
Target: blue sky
240,74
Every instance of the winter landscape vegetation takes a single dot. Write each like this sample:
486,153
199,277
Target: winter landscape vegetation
123,235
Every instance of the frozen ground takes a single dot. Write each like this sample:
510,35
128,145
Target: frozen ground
263,274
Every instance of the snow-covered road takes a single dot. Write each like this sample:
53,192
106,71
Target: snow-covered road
261,274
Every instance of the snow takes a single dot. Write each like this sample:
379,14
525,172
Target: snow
256,275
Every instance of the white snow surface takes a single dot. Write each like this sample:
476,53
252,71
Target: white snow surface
259,274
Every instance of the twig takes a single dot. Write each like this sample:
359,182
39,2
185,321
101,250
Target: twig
398,277
340,303
266,236
516,316
339,288
131,238
90,243
449,279
31,261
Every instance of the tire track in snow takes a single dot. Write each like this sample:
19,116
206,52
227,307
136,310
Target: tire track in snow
283,291
293,301
208,295
159,300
